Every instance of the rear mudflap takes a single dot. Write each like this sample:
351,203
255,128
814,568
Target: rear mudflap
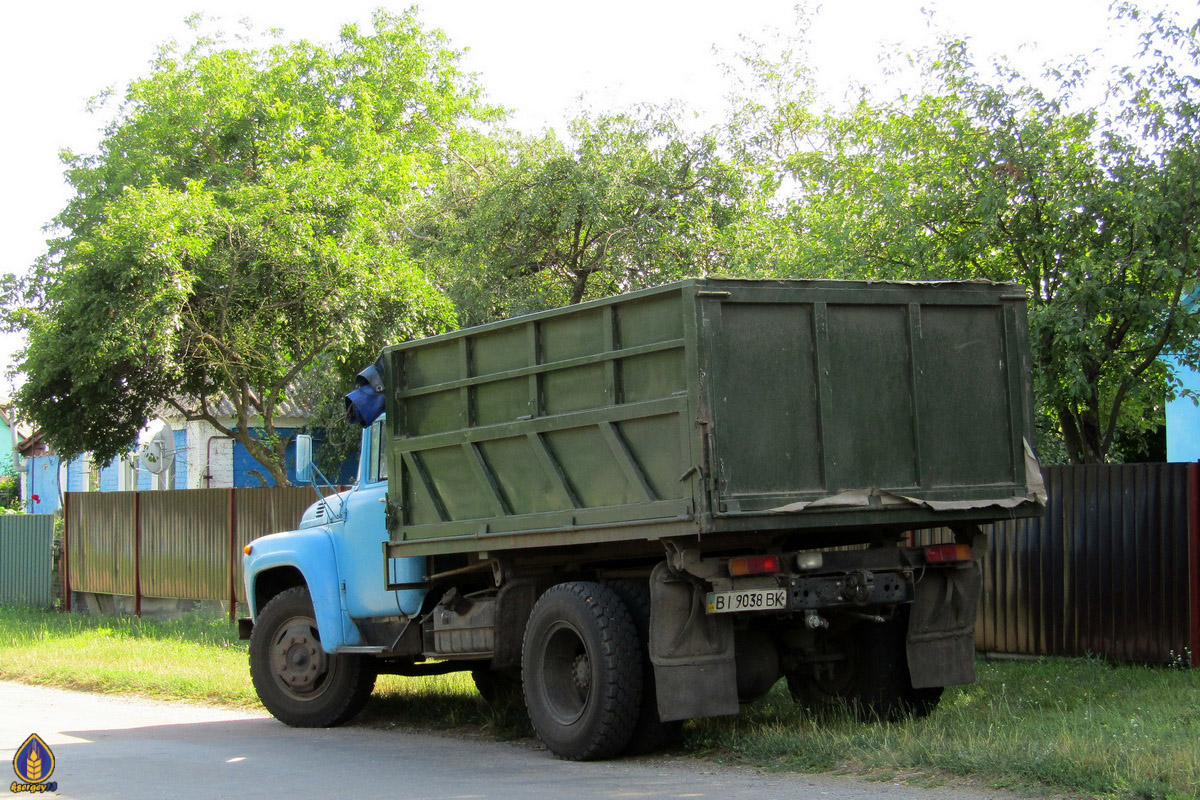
941,626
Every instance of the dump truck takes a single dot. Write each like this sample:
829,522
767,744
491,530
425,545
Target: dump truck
652,508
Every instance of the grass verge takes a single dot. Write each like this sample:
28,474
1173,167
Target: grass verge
1078,725
1081,726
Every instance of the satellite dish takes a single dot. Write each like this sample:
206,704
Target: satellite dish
157,454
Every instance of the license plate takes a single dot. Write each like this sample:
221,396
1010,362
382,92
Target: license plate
747,600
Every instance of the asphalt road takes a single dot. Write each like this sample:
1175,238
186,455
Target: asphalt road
126,748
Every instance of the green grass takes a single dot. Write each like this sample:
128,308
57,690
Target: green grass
1080,726
199,657
194,658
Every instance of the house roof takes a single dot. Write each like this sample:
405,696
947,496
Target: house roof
33,445
224,409
12,417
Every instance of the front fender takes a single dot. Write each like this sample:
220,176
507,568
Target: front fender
311,552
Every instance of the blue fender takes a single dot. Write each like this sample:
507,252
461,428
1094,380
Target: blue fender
311,552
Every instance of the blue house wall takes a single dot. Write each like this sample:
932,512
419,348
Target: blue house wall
1183,416
181,462
109,475
41,476
75,475
7,467
43,472
243,462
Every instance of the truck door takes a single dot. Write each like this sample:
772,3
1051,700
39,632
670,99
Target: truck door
360,546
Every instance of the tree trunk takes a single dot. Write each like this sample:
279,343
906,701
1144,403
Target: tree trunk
271,461
274,460
578,287
1081,437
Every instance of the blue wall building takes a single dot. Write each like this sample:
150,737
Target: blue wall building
1183,416
198,465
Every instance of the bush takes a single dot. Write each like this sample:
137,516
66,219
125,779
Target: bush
10,491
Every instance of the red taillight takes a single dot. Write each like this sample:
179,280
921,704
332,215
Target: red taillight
947,553
753,565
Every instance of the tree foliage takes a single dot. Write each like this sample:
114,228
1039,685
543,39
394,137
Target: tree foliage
238,223
258,220
989,174
632,201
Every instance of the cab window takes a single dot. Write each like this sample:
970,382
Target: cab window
377,458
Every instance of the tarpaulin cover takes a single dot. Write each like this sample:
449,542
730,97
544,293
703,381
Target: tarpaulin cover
365,403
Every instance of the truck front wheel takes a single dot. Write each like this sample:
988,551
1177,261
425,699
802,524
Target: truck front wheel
581,666
297,681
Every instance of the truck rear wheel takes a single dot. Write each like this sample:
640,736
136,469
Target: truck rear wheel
865,668
581,666
496,688
297,681
650,734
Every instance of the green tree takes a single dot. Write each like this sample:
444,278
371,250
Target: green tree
237,224
633,202
1091,205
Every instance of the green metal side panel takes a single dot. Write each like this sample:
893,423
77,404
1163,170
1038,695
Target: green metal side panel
556,422
820,388
26,559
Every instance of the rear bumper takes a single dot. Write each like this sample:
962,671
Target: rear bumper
857,588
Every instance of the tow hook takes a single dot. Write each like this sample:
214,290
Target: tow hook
813,620
858,587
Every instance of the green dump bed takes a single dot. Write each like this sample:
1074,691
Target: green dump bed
718,409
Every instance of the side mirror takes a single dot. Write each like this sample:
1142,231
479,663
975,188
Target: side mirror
304,462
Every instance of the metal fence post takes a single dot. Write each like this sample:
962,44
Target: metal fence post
64,563
232,554
1194,559
137,554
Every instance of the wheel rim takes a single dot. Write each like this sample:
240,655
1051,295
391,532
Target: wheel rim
299,666
567,674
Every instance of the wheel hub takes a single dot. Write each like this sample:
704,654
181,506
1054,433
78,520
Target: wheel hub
297,657
582,672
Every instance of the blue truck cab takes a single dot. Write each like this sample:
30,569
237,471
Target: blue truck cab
337,555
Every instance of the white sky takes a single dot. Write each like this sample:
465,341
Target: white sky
534,56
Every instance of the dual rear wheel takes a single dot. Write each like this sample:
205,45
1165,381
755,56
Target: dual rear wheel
582,672
864,668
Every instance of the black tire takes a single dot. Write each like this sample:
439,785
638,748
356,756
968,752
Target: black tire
496,688
582,671
300,684
871,676
650,734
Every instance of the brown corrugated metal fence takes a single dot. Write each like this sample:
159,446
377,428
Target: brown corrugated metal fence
1112,569
177,544
27,559
100,529
185,544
